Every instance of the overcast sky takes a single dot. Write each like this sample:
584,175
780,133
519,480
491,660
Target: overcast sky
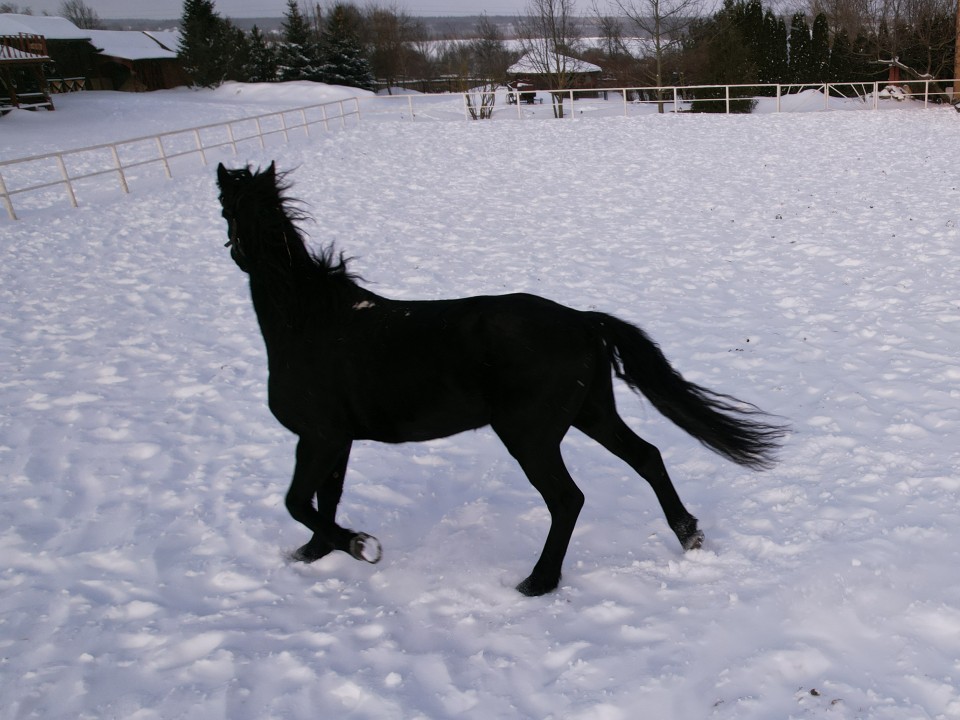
164,9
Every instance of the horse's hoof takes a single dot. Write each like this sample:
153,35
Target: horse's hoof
534,588
366,547
310,552
694,541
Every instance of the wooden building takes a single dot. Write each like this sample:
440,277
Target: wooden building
22,80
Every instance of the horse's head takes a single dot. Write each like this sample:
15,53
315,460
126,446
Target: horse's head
251,202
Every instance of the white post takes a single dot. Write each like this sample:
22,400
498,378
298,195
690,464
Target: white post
233,141
163,157
6,199
572,116
624,102
727,90
466,107
260,133
826,96
323,113
306,125
203,155
123,178
876,95
778,97
410,105
66,180
676,100
283,127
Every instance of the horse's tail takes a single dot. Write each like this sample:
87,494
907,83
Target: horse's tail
724,424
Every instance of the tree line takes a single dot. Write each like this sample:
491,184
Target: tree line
341,44
741,42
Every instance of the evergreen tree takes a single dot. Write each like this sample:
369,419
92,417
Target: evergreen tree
261,63
344,59
801,60
299,54
820,49
841,66
773,61
202,43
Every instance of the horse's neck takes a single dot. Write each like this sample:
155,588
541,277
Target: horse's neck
290,307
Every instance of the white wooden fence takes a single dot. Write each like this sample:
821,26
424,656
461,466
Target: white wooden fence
57,174
63,171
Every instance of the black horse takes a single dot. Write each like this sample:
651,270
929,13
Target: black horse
347,364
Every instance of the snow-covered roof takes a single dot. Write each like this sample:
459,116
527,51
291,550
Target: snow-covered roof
52,28
530,66
170,39
12,53
129,45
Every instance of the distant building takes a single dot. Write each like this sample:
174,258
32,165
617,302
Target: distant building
75,59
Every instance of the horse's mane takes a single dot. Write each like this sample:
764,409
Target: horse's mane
325,260
275,213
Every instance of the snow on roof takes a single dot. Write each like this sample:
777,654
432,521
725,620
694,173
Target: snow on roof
129,45
170,39
52,28
12,53
530,66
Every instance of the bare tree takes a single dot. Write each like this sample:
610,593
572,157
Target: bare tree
664,22
80,14
548,34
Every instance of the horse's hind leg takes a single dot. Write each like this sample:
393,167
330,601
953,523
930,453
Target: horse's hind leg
320,472
603,424
543,466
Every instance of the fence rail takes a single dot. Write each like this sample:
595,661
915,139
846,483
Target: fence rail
117,159
675,98
65,170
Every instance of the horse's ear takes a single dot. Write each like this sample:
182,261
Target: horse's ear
271,172
222,174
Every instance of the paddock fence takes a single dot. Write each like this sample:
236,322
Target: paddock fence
44,180
51,179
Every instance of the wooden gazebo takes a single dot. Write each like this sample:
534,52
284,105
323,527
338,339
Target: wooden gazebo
22,81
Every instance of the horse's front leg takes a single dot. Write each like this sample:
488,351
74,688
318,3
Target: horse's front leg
319,473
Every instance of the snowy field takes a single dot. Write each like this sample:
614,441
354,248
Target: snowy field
809,263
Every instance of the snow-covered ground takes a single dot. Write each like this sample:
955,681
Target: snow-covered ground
805,262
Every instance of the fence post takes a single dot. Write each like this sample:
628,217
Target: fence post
876,95
123,177
624,91
203,155
727,90
572,116
66,180
306,125
676,98
466,107
233,141
6,199
260,133
926,83
163,157
410,105
778,97
826,96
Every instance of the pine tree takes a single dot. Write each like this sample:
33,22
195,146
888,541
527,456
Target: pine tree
344,59
773,60
801,61
261,61
202,43
299,54
820,49
840,68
